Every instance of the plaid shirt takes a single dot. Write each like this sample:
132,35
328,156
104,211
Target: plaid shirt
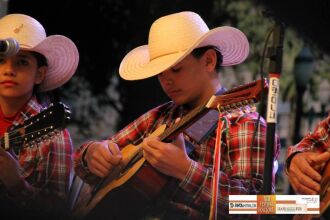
46,169
195,190
318,141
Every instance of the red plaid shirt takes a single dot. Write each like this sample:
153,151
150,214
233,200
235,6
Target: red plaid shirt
318,141
46,169
195,190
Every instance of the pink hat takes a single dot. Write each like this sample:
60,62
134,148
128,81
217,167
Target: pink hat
61,53
173,37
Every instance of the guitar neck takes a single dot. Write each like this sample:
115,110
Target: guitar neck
184,122
40,127
231,99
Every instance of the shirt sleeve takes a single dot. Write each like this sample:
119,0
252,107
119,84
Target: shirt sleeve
46,188
81,168
317,141
133,133
236,175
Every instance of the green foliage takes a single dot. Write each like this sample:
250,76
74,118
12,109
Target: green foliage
250,18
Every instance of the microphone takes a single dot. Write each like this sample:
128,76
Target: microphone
9,47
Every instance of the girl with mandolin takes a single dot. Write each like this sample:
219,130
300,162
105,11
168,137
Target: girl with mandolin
34,176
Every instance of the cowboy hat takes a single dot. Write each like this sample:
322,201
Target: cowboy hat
61,53
173,37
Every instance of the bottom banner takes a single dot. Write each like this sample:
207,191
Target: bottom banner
274,204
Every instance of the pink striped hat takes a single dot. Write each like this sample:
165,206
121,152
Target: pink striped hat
61,53
173,37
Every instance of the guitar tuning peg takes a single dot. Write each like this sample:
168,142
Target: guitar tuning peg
234,114
227,107
50,134
56,133
31,144
245,109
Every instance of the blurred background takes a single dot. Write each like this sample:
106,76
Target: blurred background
105,30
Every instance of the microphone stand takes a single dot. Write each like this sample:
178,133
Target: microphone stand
275,67
275,54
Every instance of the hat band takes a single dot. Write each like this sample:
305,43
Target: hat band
169,53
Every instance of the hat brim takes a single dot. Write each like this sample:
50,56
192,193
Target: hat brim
231,42
62,57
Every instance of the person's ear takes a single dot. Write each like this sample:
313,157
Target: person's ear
40,75
210,59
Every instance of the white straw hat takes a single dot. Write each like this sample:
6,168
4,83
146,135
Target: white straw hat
173,37
61,53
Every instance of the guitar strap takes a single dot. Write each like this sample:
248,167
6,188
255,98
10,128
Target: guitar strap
202,128
197,133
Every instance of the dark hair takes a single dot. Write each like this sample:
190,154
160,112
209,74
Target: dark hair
41,59
44,98
198,52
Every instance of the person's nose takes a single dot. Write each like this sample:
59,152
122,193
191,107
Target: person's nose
8,69
165,78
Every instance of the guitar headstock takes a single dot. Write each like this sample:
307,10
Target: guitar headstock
40,127
239,96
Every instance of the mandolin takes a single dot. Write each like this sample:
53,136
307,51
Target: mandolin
135,184
41,127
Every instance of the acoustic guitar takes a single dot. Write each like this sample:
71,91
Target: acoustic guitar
41,127
134,185
37,129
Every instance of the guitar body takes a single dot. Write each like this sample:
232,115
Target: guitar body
129,201
133,186
122,193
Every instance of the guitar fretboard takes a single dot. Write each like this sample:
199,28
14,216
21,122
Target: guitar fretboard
187,120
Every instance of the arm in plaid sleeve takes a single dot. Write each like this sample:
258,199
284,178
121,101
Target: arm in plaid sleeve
318,141
133,133
235,170
46,188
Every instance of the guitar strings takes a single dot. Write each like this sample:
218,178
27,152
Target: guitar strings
31,133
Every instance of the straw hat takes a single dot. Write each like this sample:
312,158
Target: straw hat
173,37
61,53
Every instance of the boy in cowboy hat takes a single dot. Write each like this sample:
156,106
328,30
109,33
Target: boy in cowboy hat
34,180
185,56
